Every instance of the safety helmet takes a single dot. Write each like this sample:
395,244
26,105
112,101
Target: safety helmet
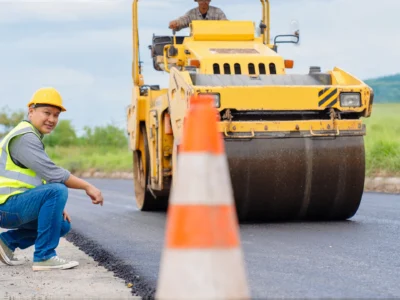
49,96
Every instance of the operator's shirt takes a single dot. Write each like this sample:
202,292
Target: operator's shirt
27,151
213,13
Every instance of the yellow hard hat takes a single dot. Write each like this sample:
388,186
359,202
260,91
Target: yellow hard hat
49,96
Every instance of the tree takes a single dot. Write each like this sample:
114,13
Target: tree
8,120
105,136
64,135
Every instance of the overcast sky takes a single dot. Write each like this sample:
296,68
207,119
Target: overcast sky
84,47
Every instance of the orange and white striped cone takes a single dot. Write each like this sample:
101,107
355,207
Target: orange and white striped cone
202,258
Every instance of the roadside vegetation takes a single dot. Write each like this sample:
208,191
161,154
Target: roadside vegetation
105,149
382,142
98,149
101,149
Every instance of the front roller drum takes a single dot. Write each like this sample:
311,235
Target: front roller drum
297,178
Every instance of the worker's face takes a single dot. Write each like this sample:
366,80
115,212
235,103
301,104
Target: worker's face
44,119
203,4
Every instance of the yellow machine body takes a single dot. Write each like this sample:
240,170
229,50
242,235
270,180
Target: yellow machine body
294,141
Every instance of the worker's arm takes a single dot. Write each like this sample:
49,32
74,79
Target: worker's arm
221,15
184,21
28,151
74,182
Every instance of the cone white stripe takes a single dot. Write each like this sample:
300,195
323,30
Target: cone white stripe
214,274
209,184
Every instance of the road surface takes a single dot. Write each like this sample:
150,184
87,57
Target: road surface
358,258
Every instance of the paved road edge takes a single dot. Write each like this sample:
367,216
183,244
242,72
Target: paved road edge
383,184
89,280
139,288
389,185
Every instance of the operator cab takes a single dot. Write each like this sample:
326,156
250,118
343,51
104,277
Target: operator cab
157,47
159,42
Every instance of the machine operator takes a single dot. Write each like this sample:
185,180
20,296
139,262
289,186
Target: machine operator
203,12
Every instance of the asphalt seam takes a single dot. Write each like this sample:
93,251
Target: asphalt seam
113,264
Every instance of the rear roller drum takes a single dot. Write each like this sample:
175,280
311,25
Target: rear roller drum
297,178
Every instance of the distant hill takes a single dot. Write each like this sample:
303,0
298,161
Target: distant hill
386,89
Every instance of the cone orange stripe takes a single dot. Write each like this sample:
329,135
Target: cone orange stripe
202,226
200,132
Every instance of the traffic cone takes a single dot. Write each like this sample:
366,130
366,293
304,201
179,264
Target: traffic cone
202,257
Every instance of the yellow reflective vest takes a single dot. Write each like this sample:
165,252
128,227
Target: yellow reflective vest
14,179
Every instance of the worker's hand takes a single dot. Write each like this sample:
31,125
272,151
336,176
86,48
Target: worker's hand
173,25
95,194
66,216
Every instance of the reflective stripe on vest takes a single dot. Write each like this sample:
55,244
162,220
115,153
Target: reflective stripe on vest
8,190
14,179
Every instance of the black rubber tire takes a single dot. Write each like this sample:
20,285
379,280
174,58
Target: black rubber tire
145,200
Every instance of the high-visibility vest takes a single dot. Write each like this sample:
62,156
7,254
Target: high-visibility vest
14,179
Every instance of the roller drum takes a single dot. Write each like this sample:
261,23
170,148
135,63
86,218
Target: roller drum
285,179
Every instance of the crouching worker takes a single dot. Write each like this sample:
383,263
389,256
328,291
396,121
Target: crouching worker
33,190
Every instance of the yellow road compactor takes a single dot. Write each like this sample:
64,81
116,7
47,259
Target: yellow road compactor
294,142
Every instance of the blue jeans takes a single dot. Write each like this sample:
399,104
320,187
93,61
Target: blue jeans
36,217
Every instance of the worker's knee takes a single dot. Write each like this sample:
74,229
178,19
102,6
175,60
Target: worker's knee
65,228
60,191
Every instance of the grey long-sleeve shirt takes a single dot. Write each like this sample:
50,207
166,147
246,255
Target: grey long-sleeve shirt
213,13
27,151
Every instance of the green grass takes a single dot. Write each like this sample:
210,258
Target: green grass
101,159
382,142
382,146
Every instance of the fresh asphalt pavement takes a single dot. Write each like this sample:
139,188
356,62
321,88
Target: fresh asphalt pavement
359,258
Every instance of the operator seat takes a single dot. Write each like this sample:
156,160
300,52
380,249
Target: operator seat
158,44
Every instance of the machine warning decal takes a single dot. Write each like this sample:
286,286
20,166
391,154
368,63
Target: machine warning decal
233,51
328,95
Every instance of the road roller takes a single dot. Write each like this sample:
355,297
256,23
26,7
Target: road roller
294,142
